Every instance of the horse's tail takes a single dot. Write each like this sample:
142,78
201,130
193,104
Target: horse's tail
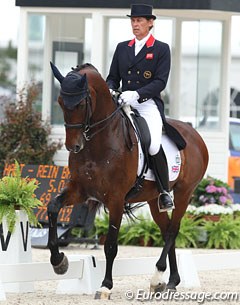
129,209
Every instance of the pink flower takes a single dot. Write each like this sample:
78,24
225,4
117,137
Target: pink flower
223,199
211,189
219,189
224,190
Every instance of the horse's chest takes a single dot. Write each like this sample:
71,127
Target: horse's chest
93,171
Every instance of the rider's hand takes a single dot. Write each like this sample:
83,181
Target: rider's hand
129,97
113,92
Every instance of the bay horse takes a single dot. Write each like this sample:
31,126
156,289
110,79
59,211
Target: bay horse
103,169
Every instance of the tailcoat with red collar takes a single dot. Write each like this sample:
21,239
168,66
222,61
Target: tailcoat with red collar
147,73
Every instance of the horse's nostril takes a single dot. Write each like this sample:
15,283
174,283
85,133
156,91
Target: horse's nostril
77,148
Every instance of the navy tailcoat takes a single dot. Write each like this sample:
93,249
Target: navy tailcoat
147,73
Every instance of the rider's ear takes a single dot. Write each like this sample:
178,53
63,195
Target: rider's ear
56,73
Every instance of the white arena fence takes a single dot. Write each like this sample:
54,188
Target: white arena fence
86,272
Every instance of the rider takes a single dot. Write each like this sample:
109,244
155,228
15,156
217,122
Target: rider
143,66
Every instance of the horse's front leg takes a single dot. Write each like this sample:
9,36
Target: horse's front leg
169,234
110,250
58,260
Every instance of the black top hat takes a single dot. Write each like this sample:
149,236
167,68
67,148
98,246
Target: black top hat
141,10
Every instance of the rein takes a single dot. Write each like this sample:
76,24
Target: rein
86,125
111,116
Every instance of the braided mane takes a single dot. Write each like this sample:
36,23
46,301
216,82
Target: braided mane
83,66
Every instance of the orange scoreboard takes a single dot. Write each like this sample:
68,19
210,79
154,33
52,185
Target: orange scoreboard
52,180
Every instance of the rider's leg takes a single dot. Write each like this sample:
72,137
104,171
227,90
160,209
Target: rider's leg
153,118
160,169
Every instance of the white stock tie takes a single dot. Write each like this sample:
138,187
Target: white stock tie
138,46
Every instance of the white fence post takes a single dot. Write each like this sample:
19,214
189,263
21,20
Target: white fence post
16,248
90,281
2,291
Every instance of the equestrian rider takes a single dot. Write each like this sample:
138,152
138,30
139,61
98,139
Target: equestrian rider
143,66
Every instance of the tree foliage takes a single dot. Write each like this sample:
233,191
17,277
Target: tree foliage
8,58
24,135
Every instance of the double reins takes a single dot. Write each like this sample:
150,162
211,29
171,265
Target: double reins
87,126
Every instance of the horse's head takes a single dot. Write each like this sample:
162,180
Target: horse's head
75,101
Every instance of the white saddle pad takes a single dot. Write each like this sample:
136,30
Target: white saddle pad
171,151
173,158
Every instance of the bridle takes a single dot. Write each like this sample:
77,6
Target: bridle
87,126
87,98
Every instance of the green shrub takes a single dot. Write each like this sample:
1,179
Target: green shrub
24,136
194,232
101,225
188,232
223,233
143,231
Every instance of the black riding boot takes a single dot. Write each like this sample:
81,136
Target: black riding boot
160,169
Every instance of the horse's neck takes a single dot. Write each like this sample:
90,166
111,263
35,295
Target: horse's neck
105,105
105,118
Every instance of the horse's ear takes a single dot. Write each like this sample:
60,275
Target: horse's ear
83,81
56,73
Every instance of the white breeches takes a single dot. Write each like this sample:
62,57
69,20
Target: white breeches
151,114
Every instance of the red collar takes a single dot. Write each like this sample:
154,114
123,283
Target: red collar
131,43
149,42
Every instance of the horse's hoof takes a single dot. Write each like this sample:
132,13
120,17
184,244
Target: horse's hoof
103,294
62,267
158,288
171,287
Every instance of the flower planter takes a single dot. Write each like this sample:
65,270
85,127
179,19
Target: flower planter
16,248
211,217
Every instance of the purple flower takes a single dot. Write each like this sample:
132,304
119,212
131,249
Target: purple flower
202,198
223,199
219,189
211,189
224,190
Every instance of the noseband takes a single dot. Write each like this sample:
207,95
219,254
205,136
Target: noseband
86,125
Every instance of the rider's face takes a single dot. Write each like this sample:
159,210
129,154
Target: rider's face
141,26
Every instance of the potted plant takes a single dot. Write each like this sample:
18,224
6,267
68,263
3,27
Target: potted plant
211,199
210,211
223,234
17,201
17,193
211,190
190,232
143,232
